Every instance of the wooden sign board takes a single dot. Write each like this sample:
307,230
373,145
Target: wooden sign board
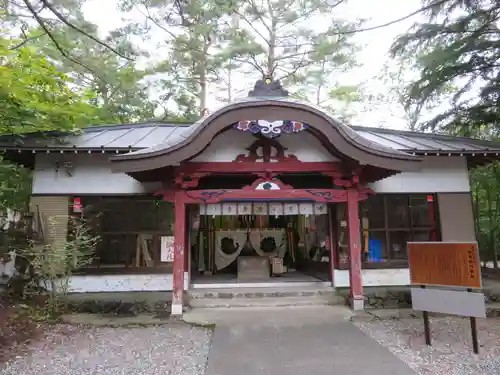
453,264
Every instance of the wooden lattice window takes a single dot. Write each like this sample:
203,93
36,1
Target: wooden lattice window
123,225
387,223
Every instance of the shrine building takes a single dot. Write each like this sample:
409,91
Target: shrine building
267,190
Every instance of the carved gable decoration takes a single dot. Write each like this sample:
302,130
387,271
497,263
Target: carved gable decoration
265,150
269,182
270,129
267,185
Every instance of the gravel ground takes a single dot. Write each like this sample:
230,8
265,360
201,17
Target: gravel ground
451,351
70,350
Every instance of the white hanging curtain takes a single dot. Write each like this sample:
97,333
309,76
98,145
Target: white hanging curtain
264,208
229,209
256,236
238,238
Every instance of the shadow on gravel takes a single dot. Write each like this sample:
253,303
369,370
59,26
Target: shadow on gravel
16,328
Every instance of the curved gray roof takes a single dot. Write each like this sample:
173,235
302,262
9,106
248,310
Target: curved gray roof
183,134
138,136
190,141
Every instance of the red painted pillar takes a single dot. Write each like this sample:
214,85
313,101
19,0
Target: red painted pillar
179,249
356,282
332,243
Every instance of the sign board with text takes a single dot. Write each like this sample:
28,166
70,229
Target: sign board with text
167,249
453,264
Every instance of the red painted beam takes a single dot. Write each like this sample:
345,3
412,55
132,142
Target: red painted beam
255,167
220,195
216,196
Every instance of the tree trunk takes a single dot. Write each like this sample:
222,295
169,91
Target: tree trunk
203,91
271,57
491,234
229,85
318,94
104,95
203,77
476,207
475,211
53,297
320,83
494,252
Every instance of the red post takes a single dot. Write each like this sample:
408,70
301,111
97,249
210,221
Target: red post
332,243
355,280
179,249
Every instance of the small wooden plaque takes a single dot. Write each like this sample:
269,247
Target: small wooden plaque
445,263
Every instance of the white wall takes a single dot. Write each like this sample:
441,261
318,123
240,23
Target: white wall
123,283
439,174
91,175
375,277
164,282
228,145
306,147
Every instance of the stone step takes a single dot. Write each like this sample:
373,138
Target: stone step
493,309
263,297
261,292
265,302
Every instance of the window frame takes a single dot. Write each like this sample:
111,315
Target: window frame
390,261
130,267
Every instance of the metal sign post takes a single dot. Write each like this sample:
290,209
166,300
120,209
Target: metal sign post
427,327
473,329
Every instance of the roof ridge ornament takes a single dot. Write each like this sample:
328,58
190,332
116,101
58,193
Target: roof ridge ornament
267,87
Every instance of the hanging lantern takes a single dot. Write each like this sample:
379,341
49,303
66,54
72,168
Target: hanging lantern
77,205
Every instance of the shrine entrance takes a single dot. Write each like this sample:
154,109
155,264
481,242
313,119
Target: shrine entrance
261,242
242,167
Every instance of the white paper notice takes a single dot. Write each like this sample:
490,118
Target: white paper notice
167,249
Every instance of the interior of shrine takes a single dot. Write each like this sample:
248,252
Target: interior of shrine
260,241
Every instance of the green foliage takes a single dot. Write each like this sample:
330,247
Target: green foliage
458,47
35,96
195,33
458,58
486,199
336,99
15,187
208,43
485,188
53,263
282,39
120,92
277,38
